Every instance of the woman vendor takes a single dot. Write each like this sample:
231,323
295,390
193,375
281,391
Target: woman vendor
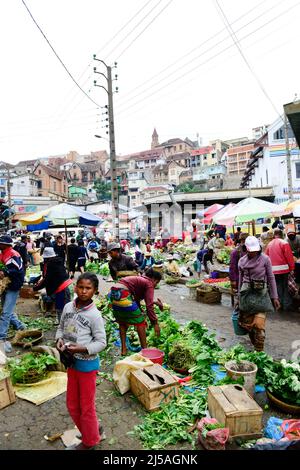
257,292
126,297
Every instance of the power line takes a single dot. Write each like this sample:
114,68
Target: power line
184,56
205,62
200,55
103,47
146,27
237,43
57,56
130,32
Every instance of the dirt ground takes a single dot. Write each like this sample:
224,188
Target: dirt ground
24,424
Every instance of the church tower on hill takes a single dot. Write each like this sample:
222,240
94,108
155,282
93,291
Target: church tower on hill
154,142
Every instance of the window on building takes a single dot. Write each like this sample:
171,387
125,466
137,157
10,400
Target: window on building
204,157
267,177
261,183
22,182
297,170
133,197
180,147
54,185
40,172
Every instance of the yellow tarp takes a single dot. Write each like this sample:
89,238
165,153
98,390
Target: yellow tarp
40,392
36,218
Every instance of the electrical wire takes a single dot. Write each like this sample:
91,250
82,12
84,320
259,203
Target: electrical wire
118,111
57,56
132,30
100,50
171,74
184,56
197,76
237,44
143,30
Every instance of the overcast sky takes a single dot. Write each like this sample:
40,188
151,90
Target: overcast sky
178,70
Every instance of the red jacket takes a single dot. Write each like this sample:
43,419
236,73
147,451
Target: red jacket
281,256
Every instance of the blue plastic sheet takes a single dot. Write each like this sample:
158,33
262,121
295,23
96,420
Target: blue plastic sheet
259,389
219,372
273,428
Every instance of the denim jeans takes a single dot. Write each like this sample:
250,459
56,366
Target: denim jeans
8,316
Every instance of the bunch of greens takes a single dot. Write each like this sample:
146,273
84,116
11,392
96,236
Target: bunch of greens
169,331
171,423
210,427
181,356
104,270
39,323
92,267
283,381
2,267
30,368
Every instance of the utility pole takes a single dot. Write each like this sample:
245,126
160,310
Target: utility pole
112,145
9,198
288,159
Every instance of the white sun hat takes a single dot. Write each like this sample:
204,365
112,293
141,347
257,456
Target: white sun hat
252,244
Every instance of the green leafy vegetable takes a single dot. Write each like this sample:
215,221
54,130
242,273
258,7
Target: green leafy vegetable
30,368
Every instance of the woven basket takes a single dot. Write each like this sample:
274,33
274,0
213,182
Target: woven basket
121,274
3,284
21,335
212,296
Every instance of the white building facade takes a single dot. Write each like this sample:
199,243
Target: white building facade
24,185
269,167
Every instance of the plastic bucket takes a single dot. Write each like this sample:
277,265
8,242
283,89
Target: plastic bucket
244,369
155,355
239,331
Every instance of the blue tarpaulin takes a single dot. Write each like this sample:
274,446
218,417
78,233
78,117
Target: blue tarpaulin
41,226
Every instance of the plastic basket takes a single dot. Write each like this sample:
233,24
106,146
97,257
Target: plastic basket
238,330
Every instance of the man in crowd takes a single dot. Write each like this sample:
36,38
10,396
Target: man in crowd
119,262
237,235
21,248
294,242
14,270
208,260
281,256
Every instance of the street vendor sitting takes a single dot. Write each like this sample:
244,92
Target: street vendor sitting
126,297
148,261
172,268
120,262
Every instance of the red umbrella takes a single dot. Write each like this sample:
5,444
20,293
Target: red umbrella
213,209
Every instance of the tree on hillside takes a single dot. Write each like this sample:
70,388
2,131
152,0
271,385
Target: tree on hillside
103,190
187,187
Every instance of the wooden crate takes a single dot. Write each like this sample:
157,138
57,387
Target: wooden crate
233,407
7,394
209,297
149,391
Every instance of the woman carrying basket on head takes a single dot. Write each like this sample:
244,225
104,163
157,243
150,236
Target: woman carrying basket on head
257,292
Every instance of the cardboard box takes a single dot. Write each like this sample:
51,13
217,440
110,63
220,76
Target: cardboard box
234,408
153,386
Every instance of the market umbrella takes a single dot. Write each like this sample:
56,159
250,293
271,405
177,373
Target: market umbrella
213,209
63,214
290,206
223,213
209,212
249,210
